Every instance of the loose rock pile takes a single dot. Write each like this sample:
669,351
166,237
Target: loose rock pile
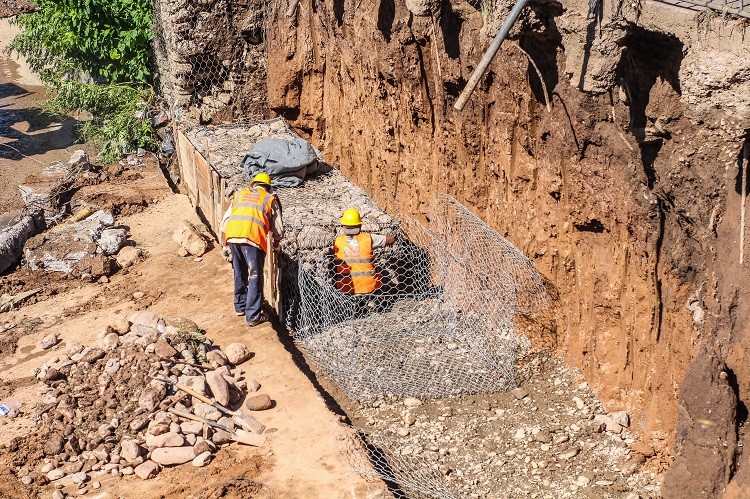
106,408
83,247
551,438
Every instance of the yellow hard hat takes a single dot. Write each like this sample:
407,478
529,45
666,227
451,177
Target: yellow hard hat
261,178
351,218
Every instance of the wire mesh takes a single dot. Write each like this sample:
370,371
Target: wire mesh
211,59
441,320
374,455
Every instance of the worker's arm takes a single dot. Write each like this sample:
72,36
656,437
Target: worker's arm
223,226
378,240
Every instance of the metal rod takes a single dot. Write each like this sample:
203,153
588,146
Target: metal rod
292,8
490,54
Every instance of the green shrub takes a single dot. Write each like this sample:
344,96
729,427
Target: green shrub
108,39
107,43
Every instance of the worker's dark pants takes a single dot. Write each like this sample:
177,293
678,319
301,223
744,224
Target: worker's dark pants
247,261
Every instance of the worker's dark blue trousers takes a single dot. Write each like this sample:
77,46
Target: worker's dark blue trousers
247,261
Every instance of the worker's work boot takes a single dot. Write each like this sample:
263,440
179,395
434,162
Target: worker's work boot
262,317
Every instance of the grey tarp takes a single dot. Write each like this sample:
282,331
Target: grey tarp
287,161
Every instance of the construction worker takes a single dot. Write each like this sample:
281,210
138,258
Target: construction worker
353,258
253,216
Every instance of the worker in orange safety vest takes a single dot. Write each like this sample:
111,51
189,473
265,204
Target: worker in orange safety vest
253,216
353,256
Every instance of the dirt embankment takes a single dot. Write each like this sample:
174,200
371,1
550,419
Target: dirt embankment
626,195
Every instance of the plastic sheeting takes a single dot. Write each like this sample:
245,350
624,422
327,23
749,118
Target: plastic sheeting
287,161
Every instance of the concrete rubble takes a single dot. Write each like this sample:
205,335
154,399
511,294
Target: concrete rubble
82,246
105,408
40,194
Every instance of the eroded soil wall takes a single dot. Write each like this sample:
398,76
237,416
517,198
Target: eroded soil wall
624,189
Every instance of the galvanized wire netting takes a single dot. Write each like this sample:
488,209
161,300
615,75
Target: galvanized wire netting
440,324
211,58
374,455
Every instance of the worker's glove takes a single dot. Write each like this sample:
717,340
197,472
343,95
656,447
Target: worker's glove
226,253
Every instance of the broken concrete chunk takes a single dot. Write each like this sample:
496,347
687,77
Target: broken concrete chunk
111,240
13,238
189,238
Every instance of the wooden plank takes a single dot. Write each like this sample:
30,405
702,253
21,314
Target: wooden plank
203,182
216,199
186,158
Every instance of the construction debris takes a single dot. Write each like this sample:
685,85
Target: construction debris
7,302
14,236
82,246
125,407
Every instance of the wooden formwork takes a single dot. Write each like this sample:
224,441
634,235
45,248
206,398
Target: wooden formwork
207,191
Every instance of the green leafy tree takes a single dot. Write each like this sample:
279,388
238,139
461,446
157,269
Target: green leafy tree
96,56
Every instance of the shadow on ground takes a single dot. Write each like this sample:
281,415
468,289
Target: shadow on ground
25,130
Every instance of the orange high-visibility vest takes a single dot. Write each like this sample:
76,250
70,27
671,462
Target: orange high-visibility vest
355,271
251,216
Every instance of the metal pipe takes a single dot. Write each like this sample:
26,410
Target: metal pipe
490,54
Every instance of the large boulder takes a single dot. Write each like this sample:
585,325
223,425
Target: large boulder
188,237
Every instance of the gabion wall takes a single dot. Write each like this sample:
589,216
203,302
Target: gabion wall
443,322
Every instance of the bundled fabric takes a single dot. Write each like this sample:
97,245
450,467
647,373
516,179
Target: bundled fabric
287,161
